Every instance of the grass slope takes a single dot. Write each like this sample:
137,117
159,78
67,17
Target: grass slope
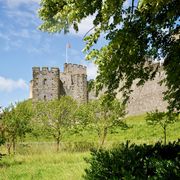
138,132
61,166
38,160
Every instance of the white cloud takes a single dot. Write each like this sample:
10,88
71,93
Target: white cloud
9,42
92,71
85,25
9,85
16,3
44,47
24,18
23,29
23,33
1,25
4,36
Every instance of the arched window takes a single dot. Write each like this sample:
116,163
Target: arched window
44,97
44,81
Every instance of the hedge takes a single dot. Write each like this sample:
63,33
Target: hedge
130,161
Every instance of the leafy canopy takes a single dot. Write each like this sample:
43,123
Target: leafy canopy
102,116
16,122
164,119
135,35
16,119
56,116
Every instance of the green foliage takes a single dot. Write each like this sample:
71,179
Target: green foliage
78,146
2,138
2,141
163,119
135,162
15,122
57,116
102,115
90,85
134,35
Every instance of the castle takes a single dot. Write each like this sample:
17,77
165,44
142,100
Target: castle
50,84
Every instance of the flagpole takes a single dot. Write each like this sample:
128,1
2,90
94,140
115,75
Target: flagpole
66,54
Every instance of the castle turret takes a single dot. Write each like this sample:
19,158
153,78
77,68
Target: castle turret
74,80
74,68
45,83
79,88
51,84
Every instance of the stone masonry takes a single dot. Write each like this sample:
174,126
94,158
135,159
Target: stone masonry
74,82
45,84
52,84
148,97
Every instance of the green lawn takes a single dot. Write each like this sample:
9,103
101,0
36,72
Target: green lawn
50,166
38,160
138,132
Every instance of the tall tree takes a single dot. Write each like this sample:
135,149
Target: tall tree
135,35
57,117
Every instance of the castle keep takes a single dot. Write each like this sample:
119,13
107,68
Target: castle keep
50,84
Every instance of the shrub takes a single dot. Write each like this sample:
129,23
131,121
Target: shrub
135,162
81,146
2,141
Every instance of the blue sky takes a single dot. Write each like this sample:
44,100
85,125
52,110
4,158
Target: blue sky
23,46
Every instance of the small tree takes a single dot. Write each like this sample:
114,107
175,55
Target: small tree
2,138
102,115
16,123
164,119
56,116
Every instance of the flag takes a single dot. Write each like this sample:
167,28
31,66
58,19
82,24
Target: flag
68,45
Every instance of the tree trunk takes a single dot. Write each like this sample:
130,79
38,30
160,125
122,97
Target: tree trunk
9,148
164,135
104,134
57,144
58,141
14,145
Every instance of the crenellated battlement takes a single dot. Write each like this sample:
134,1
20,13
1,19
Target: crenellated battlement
36,69
74,68
45,69
49,83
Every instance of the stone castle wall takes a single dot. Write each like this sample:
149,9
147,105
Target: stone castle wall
144,98
74,80
74,69
45,83
148,97
51,84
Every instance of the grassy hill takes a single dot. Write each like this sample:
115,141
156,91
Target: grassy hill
38,160
138,132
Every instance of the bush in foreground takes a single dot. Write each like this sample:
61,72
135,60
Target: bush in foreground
135,162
